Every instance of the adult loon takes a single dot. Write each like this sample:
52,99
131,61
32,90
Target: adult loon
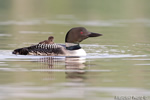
71,48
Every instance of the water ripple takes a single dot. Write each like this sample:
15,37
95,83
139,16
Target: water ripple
108,23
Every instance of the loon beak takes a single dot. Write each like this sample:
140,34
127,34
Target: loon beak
94,34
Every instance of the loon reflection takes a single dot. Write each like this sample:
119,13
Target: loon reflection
74,66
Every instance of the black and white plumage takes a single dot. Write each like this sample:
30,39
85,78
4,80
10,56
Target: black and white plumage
41,49
72,48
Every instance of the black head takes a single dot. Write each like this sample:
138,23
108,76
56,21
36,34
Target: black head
77,34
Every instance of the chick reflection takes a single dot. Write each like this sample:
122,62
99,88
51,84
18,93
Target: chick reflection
74,66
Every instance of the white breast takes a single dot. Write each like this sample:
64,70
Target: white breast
79,52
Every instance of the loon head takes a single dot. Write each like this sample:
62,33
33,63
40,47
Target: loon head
78,34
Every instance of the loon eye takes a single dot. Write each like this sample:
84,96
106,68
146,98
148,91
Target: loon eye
81,32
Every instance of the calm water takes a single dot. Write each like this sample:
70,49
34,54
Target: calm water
117,65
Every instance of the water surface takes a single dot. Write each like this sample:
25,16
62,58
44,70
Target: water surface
117,64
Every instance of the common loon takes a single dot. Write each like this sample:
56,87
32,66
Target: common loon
71,48
49,41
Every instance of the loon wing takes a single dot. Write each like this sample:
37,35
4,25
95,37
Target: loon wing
41,49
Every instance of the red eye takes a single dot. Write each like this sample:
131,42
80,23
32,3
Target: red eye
81,32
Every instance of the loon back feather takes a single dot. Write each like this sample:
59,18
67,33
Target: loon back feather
40,49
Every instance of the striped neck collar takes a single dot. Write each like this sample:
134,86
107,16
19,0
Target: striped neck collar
72,46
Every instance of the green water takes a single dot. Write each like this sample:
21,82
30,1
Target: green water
117,65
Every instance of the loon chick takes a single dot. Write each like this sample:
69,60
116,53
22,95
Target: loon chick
71,48
49,41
